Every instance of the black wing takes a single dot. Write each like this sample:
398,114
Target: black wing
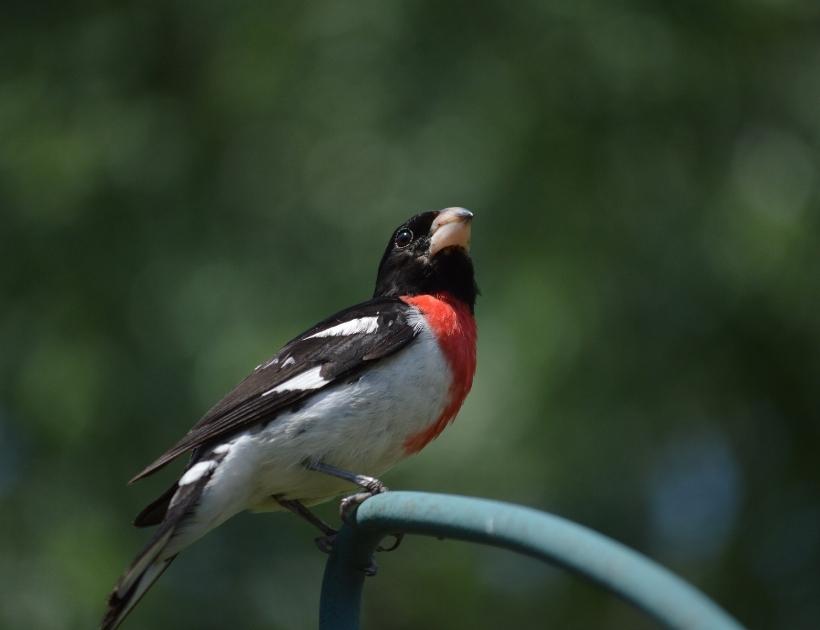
383,329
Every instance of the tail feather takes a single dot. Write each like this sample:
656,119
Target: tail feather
173,534
154,513
121,603
138,577
148,556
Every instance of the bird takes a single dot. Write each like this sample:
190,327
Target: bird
333,410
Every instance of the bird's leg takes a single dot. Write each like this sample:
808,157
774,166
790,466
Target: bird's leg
300,510
348,505
324,543
370,484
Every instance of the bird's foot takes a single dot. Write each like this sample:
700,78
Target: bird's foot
349,504
397,538
370,569
325,543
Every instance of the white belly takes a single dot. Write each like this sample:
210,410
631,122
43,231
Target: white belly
357,426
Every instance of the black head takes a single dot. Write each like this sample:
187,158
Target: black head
429,253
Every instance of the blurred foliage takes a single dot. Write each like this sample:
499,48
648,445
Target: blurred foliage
184,186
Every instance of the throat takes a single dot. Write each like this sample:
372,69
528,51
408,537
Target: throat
453,325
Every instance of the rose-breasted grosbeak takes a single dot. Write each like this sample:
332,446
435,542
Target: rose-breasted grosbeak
342,402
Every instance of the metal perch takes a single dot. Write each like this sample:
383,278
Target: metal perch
618,569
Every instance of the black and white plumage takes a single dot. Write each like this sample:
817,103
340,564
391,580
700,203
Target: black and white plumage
334,349
359,391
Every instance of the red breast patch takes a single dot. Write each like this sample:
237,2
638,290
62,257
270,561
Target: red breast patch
454,327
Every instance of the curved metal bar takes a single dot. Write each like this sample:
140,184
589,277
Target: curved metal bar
552,539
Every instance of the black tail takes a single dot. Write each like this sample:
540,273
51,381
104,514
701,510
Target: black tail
138,578
154,513
173,508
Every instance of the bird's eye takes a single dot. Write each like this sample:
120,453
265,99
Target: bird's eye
403,237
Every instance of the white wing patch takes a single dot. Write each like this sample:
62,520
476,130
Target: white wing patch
195,472
365,325
310,379
262,366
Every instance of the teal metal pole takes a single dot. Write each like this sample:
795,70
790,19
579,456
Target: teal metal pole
552,539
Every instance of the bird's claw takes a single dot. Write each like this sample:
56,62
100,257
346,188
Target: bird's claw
349,504
374,486
326,543
370,569
397,538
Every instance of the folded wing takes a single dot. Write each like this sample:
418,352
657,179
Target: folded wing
328,353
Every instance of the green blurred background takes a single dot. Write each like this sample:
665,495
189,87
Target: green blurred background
184,186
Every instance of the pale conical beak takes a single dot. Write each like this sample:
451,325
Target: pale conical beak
451,228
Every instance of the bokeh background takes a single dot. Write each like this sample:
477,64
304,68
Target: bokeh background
184,186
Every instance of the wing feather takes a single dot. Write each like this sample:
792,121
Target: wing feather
338,355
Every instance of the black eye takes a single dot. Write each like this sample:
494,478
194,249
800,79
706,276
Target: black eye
404,237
